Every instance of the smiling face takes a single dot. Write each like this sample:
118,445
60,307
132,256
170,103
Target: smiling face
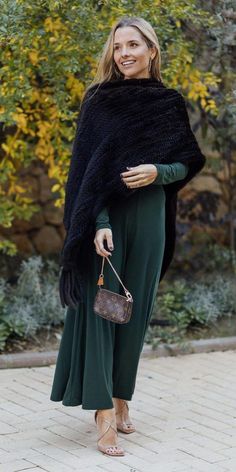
131,53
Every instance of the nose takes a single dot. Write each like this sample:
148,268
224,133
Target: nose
124,52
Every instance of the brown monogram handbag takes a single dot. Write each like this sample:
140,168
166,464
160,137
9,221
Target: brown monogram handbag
110,305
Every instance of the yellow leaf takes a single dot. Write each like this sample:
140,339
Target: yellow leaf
5,147
19,189
59,202
34,58
55,187
21,120
48,24
52,25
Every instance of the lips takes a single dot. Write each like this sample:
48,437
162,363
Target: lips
128,63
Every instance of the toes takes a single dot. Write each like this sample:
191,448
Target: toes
131,427
114,450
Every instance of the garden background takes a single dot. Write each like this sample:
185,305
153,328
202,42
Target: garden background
49,52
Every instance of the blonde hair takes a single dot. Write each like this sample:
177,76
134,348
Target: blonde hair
107,69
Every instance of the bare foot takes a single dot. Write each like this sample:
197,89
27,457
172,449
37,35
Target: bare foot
107,431
123,420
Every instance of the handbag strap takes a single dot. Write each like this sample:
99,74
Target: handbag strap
101,277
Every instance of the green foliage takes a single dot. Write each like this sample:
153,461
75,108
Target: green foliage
220,258
220,45
188,305
7,247
32,303
197,252
8,326
49,52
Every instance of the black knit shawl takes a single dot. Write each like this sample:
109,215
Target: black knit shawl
121,123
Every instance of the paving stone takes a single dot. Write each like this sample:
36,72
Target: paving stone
112,466
202,466
230,465
229,452
49,464
16,466
183,407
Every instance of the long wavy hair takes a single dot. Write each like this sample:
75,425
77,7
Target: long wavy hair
107,69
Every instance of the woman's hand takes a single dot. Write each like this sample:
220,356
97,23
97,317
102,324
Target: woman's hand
100,236
139,176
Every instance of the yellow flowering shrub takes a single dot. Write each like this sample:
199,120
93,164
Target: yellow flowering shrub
48,53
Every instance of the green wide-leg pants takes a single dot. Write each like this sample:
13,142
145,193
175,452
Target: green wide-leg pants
98,359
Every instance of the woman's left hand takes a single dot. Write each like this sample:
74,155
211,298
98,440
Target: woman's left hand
139,176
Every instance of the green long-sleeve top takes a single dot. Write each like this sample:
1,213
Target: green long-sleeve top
166,174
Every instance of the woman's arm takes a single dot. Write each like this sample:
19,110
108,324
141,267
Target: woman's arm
102,220
168,173
103,233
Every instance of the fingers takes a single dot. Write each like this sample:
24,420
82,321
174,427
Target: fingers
139,176
133,171
137,182
109,241
144,170
100,250
101,235
134,178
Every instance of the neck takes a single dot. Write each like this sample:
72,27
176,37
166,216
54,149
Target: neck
144,82
135,81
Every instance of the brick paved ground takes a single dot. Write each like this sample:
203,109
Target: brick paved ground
184,409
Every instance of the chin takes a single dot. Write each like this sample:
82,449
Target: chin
131,75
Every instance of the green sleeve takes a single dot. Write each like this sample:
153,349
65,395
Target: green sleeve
102,220
168,173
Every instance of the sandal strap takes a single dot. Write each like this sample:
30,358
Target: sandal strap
110,425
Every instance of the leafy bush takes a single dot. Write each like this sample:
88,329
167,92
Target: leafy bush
32,302
188,305
42,87
220,258
197,253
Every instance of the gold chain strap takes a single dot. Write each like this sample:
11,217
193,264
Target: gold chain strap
101,278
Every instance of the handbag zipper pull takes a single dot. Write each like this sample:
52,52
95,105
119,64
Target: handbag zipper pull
100,280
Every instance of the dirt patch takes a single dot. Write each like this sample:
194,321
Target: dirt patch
44,340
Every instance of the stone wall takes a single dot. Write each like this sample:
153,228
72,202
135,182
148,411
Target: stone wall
44,233
209,192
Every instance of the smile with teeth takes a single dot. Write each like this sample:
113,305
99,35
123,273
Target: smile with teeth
127,63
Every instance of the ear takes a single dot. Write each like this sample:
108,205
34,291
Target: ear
153,52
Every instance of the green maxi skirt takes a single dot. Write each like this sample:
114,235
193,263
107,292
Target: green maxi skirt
98,359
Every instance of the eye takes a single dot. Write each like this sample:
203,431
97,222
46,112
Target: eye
132,44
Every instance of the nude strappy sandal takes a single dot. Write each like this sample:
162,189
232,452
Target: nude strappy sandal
110,450
124,427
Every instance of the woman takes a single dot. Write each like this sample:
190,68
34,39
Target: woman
126,211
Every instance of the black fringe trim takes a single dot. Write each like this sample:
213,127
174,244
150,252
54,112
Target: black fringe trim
71,288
